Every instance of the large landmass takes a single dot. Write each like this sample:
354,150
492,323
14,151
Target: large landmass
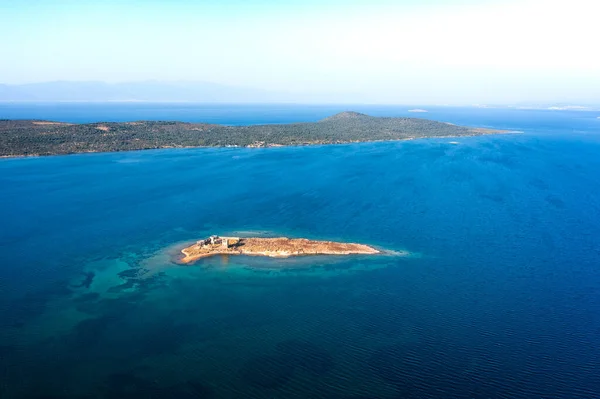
281,247
35,137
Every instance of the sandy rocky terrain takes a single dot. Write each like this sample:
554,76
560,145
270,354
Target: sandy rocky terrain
282,247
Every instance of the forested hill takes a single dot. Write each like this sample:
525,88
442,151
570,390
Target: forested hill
33,137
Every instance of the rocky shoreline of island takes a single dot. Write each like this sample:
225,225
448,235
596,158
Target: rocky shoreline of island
279,247
40,138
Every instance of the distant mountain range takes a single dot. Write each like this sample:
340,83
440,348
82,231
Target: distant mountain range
206,92
152,91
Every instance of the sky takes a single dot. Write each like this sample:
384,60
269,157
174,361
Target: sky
420,52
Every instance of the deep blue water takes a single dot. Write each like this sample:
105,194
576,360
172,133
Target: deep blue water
497,298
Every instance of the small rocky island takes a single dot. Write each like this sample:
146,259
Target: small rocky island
281,247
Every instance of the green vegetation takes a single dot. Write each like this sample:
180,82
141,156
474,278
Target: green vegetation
26,137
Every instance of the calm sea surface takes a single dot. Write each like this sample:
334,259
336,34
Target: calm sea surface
498,297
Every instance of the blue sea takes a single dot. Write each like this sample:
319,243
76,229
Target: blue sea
491,288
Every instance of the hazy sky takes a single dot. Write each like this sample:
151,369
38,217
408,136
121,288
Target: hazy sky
414,51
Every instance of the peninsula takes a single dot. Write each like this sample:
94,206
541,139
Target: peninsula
281,247
36,137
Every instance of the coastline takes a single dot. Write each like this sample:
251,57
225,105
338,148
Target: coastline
26,137
278,247
489,132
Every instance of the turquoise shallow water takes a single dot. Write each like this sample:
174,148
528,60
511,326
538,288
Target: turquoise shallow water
498,297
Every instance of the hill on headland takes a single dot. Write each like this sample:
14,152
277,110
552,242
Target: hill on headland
34,137
345,116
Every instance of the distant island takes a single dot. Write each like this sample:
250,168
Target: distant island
36,137
281,247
